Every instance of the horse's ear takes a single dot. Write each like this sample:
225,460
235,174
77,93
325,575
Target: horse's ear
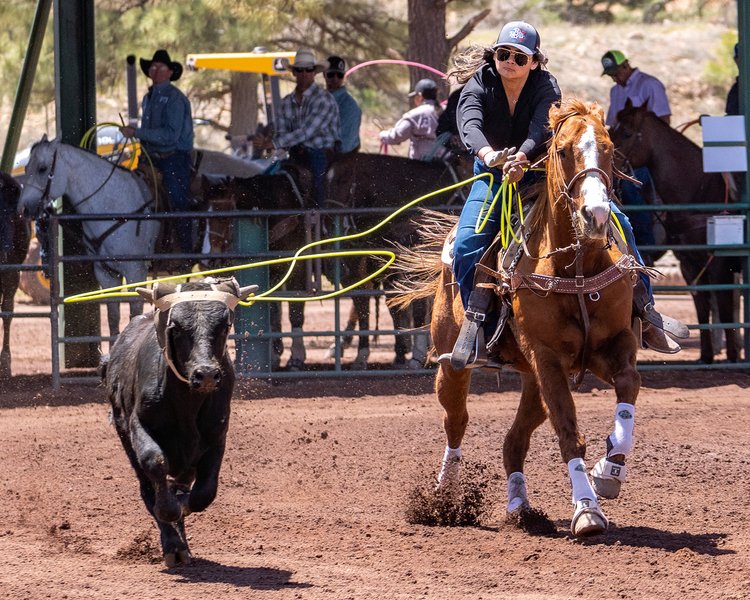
628,104
598,111
644,106
44,138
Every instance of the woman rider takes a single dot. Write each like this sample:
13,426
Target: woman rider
503,120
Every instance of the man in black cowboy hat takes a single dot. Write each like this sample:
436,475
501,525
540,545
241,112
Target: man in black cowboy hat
166,134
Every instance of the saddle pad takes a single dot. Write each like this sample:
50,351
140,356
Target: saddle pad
446,256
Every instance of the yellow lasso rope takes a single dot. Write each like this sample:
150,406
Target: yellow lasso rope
91,132
119,291
507,190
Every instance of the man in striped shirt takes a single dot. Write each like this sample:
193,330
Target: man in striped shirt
308,122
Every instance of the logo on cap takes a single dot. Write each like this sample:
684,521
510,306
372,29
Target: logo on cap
517,34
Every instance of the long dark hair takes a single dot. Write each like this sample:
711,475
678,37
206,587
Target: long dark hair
466,63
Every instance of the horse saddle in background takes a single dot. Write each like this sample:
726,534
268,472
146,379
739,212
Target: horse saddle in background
153,179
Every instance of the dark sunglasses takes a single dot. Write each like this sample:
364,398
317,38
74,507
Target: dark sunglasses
303,69
332,74
519,57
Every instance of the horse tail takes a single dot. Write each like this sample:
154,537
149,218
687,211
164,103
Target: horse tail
418,268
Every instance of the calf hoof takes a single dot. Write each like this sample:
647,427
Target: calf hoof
606,488
588,519
178,558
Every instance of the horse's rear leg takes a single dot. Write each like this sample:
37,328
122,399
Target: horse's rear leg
452,388
421,338
362,306
346,340
588,519
297,320
702,301
725,304
529,416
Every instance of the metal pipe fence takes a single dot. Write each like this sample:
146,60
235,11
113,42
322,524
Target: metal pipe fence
336,367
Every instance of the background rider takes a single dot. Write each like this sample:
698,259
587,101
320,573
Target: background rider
166,134
419,124
308,125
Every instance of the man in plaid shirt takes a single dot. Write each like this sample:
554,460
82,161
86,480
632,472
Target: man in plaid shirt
308,122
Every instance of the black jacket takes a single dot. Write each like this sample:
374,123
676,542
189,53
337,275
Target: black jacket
484,116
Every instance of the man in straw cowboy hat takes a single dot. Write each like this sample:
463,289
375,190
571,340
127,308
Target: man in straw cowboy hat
166,134
308,122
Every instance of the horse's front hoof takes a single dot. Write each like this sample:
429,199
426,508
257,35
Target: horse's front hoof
588,519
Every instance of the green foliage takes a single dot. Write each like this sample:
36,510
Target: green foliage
721,70
17,17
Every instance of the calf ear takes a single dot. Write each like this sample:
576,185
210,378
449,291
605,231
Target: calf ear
247,291
146,294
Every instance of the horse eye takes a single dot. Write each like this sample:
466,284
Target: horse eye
561,152
42,169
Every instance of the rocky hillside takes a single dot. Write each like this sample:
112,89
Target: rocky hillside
676,53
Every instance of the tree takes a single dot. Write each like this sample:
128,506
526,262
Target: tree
428,43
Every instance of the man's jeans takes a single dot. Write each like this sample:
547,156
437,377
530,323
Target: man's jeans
175,169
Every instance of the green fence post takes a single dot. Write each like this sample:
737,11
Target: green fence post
253,353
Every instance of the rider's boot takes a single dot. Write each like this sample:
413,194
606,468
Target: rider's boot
470,350
656,325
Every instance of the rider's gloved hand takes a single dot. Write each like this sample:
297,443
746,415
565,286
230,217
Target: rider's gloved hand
513,167
497,158
280,154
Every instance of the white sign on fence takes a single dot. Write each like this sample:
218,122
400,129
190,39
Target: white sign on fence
724,144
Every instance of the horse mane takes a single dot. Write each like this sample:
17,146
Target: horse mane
666,128
558,114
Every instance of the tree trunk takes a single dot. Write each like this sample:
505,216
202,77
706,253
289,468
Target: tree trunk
427,41
244,107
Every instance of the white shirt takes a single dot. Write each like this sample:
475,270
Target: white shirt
640,88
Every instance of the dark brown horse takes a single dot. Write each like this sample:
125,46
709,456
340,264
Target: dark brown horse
358,181
570,295
14,244
676,166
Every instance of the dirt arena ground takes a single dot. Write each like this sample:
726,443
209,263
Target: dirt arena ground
316,481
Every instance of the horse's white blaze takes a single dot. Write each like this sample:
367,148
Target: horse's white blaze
593,190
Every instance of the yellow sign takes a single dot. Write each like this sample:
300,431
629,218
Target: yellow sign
266,63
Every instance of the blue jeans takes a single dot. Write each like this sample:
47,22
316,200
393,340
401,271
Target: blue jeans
318,162
176,172
470,246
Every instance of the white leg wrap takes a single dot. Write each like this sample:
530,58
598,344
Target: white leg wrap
580,483
450,470
606,469
517,495
620,440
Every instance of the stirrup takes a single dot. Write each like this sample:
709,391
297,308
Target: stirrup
476,358
663,322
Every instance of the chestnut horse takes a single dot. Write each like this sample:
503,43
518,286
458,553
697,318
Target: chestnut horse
676,167
571,300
